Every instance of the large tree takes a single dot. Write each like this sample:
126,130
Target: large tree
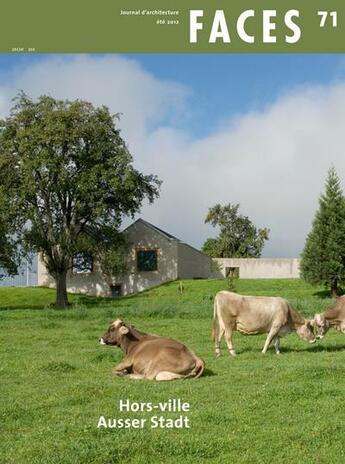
323,256
238,237
70,179
10,251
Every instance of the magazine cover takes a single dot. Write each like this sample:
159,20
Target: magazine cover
172,232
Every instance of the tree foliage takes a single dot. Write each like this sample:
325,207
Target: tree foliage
323,256
69,177
9,250
113,257
238,237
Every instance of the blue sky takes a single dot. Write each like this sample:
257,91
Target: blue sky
220,85
259,130
223,85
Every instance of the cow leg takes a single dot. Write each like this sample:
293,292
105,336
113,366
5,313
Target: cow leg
271,335
218,338
166,375
277,344
124,368
136,376
228,338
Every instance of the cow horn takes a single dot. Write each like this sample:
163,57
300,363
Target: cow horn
117,323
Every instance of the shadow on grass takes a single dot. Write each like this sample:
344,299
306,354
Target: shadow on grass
319,348
208,373
87,300
326,294
20,307
314,349
74,301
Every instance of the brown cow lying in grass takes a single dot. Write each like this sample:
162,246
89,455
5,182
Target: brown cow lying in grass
149,356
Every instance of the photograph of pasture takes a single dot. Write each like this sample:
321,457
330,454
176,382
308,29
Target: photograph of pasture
172,258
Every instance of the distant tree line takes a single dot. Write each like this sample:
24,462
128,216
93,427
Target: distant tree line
323,256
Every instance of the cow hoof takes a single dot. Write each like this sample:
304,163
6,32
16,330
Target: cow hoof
217,355
232,353
277,352
120,373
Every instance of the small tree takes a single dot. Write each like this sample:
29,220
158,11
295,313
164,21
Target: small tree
323,256
113,257
69,178
238,237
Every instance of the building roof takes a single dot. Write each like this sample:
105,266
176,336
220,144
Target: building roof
163,233
156,229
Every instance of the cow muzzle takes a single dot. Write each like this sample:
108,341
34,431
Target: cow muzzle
319,337
101,341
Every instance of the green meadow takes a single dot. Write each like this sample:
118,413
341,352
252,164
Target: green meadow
56,382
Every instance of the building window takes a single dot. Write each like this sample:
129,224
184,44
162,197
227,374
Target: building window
82,263
147,260
116,290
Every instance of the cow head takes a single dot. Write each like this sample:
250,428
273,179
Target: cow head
115,333
306,331
322,325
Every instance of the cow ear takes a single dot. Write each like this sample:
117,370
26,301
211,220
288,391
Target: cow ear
123,330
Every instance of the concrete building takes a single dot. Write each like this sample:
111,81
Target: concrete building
155,257
259,268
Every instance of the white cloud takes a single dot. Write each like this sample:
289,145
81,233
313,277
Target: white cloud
272,162
115,81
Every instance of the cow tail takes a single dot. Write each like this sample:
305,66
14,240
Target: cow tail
215,322
198,369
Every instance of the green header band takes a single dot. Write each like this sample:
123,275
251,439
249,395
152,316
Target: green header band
175,26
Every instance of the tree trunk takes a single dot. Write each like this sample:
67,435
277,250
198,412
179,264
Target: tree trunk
61,290
334,289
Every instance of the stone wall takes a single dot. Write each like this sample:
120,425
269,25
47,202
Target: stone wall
260,268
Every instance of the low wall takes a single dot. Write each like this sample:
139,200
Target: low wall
260,268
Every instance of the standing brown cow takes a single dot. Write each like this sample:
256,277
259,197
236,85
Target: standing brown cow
252,315
149,356
334,316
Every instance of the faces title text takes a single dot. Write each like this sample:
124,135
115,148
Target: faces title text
220,31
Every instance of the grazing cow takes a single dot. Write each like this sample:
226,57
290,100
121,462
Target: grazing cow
149,356
334,316
252,315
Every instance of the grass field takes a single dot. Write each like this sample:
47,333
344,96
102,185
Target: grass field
56,382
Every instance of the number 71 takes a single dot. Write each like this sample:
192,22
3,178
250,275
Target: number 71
324,15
